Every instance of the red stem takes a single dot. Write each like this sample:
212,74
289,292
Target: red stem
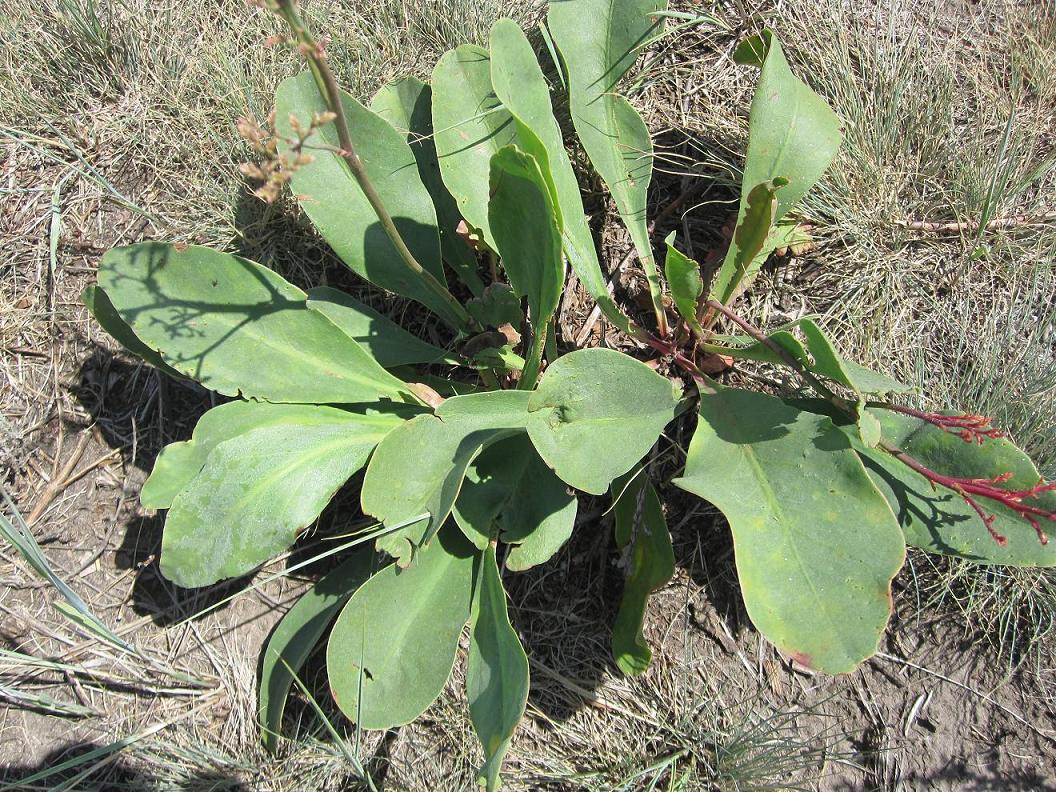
969,427
970,488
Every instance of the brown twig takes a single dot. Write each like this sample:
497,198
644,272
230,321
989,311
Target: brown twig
997,224
59,481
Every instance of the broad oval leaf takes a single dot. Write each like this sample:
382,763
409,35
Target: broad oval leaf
816,544
394,644
297,634
595,413
938,520
599,41
641,532
407,105
418,468
792,134
382,338
333,200
259,489
683,278
522,89
470,126
238,327
510,493
497,677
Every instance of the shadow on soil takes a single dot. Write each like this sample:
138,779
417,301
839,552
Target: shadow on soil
75,766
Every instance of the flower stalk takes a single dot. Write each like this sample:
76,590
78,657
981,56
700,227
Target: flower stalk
315,53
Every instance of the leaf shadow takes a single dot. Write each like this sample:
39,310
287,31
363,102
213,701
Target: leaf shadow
116,773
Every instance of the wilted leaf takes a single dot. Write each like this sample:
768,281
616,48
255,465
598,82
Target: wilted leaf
497,306
752,234
683,278
641,532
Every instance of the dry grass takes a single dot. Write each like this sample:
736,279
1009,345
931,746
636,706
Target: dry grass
118,124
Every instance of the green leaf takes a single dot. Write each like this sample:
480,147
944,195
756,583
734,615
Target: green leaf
522,89
869,430
103,311
259,489
938,520
527,233
382,338
595,413
816,544
394,644
179,463
238,328
649,562
337,207
752,233
510,492
471,125
407,105
756,350
497,679
599,41
419,467
826,360
792,134
297,634
683,278
829,363
498,305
